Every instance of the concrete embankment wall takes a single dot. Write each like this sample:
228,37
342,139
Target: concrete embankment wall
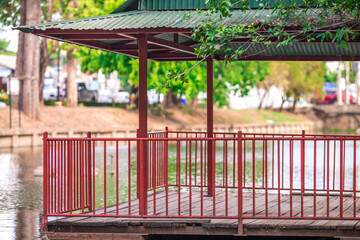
27,138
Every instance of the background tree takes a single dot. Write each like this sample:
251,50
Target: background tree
277,77
80,9
303,79
28,59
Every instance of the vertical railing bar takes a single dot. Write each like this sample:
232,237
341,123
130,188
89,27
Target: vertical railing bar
302,172
117,176
201,180
178,173
45,176
57,177
334,165
328,180
315,177
129,178
234,162
240,186
77,182
186,159
273,162
263,162
105,177
62,179
82,175
226,181
49,174
93,178
244,163
196,136
278,177
89,180
282,163
223,167
166,159
253,175
190,181
69,170
341,177
205,161
354,178
344,162
324,165
266,178
153,143
291,175
213,173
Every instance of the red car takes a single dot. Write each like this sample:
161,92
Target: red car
331,97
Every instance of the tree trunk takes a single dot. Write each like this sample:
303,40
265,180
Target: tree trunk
44,62
294,104
169,100
262,98
71,86
338,83
28,60
347,83
357,82
45,54
194,104
283,99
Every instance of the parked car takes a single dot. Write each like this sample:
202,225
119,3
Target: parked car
121,97
85,95
49,93
331,97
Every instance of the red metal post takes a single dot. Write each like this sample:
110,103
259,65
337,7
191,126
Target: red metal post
142,42
89,188
210,127
45,176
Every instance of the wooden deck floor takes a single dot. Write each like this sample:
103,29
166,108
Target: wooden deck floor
110,227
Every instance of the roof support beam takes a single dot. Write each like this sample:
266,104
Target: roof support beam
157,55
92,37
132,47
171,45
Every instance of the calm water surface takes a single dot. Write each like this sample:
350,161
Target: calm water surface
20,194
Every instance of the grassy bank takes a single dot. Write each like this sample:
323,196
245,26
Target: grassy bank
109,118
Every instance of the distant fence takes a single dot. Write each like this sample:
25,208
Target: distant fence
28,138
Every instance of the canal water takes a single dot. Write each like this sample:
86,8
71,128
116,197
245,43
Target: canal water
21,191
20,194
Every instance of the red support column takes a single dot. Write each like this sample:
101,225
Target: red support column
210,127
143,170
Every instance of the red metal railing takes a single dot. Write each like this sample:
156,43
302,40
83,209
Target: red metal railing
293,176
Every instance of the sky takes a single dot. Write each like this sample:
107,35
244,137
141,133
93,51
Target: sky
10,35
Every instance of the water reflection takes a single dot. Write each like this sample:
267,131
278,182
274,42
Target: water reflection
20,194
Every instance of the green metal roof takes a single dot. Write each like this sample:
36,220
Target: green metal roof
150,5
149,19
167,22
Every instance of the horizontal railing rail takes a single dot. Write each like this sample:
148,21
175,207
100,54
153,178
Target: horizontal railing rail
260,176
